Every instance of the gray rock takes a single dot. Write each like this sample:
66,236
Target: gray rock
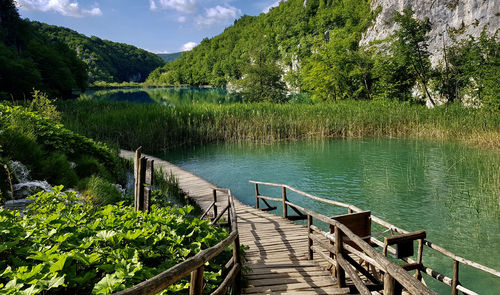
463,18
17,204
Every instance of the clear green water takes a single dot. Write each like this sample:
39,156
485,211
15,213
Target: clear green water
170,96
451,191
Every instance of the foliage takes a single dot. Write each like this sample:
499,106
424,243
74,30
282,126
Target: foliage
48,149
261,80
474,67
314,47
68,247
158,128
29,59
169,56
287,35
106,60
100,192
42,105
339,70
409,47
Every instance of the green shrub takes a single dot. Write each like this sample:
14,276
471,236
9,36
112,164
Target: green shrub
42,105
22,148
64,246
100,192
52,137
57,170
87,166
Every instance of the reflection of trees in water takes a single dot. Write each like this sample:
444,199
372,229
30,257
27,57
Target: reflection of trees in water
168,96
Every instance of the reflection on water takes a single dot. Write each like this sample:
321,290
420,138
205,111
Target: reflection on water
451,191
165,95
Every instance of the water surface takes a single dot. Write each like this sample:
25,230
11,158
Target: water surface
170,96
451,191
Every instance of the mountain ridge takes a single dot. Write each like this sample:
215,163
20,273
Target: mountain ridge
107,61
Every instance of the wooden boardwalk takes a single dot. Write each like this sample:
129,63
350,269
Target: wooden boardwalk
277,247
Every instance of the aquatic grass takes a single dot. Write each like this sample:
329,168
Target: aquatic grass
158,128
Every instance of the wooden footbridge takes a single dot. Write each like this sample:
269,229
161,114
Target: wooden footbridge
329,255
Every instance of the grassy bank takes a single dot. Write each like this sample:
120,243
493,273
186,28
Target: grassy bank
159,128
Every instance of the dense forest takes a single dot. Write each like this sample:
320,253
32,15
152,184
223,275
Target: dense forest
30,59
169,56
106,60
313,47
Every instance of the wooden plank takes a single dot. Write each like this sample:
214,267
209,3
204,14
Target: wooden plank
303,269
287,287
270,282
290,264
314,291
252,276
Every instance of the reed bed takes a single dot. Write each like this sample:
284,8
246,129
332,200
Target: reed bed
158,128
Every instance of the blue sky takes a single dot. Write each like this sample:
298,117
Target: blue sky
160,26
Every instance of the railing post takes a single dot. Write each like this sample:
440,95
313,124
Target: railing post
229,210
137,163
283,194
339,249
454,282
196,284
237,260
148,181
310,254
214,192
389,284
256,196
418,274
140,176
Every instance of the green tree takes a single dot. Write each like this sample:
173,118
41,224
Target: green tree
30,60
409,46
261,75
340,70
474,69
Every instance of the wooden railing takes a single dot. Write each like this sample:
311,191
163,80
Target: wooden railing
362,248
194,265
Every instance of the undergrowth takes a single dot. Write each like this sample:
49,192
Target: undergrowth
65,246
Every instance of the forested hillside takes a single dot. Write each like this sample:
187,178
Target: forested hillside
288,34
29,59
169,56
314,46
106,60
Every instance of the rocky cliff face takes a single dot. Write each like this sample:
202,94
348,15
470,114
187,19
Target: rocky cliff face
461,17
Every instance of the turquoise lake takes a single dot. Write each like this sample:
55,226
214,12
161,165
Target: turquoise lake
451,191
169,96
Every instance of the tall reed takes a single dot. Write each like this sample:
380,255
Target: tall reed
158,128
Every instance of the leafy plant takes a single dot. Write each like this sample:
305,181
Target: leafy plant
37,137
100,192
42,105
64,246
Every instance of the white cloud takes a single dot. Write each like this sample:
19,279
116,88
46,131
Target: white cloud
188,46
152,5
275,4
64,7
181,19
218,14
186,6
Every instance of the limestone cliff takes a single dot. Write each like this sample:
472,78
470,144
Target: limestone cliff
461,17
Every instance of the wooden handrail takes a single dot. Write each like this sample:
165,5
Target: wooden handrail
404,278
351,208
172,275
